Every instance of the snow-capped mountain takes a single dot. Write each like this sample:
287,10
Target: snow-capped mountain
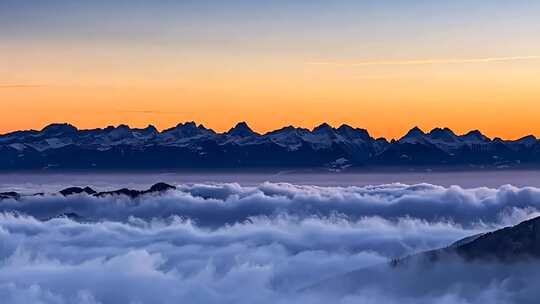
189,145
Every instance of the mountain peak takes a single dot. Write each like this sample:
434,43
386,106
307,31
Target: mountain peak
59,126
527,140
185,130
151,128
416,129
414,132
351,132
241,124
529,137
445,134
475,135
185,127
474,132
201,127
345,127
414,135
241,129
288,128
442,130
187,124
120,132
323,127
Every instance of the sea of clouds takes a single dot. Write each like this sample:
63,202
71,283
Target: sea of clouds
271,243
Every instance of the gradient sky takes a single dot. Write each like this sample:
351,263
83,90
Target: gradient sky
381,65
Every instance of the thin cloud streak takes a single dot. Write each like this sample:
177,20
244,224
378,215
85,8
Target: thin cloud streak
21,86
150,112
424,61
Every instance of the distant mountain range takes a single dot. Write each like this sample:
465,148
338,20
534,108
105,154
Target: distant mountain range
192,146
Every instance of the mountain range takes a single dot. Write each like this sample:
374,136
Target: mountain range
192,146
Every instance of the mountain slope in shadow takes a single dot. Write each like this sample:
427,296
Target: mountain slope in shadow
478,260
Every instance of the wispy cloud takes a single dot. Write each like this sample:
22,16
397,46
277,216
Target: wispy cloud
20,86
149,111
423,61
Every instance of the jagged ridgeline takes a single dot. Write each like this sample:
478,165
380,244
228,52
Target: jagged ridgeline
188,145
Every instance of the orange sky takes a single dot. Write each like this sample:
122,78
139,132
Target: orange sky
499,98
381,68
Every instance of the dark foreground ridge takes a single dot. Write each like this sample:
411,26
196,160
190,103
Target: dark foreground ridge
508,246
192,146
511,244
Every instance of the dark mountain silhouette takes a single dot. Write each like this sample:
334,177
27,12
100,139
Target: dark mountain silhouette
77,190
11,194
517,244
509,244
241,130
192,146
156,188
159,187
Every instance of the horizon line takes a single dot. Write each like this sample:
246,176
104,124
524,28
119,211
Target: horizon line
267,132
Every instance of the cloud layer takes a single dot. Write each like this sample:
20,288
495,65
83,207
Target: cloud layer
225,243
214,205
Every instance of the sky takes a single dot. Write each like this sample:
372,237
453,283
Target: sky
382,65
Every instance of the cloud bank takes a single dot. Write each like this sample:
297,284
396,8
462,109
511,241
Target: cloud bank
226,243
214,205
